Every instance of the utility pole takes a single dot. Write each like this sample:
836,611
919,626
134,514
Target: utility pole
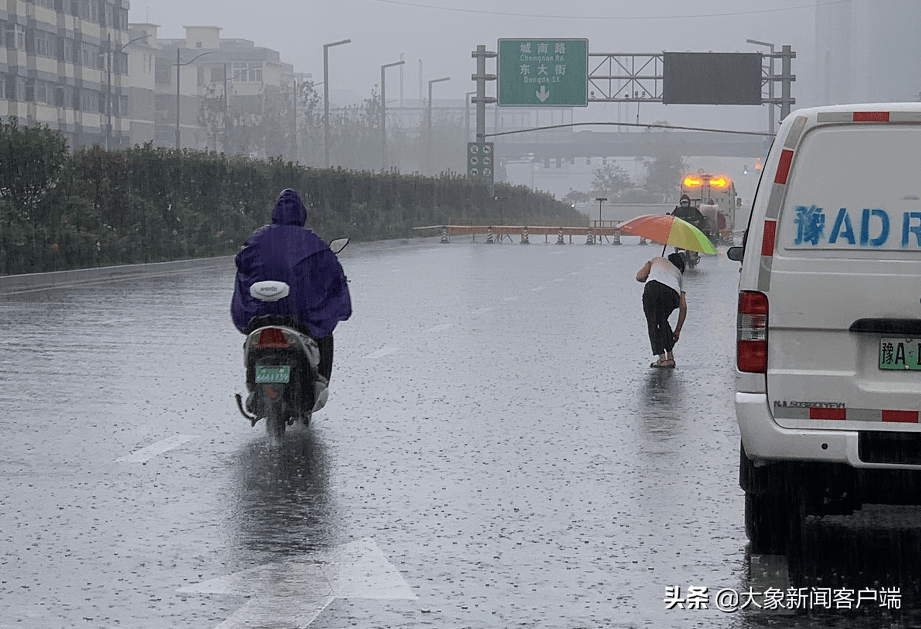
786,80
481,55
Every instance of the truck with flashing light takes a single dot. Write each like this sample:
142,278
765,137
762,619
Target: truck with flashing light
702,188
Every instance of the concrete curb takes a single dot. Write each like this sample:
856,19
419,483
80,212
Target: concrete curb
10,284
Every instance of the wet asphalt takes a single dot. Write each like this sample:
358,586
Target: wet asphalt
496,453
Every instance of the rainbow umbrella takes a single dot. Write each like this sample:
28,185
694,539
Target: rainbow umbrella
669,230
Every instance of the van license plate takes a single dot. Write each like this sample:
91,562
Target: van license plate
900,354
273,374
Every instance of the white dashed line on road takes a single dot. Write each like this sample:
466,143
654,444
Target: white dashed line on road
145,454
384,351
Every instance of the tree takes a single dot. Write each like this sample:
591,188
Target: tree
610,180
35,164
577,196
663,175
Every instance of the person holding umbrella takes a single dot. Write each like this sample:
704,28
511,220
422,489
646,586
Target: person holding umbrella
661,295
663,276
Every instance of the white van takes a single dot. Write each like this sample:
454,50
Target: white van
828,382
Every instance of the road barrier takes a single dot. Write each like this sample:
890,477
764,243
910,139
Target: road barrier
57,279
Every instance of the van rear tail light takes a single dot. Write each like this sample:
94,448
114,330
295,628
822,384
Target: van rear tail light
751,332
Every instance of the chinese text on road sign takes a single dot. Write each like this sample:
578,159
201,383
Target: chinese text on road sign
543,73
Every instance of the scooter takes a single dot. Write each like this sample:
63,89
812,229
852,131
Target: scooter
281,360
691,258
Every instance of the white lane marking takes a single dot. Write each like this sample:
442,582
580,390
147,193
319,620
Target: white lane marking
293,593
481,311
145,454
537,289
441,328
384,351
512,298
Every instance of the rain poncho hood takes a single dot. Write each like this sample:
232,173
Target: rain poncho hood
289,210
286,251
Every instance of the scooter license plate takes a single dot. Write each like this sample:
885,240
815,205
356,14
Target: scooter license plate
279,375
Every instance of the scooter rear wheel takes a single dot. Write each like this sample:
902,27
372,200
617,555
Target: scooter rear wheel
275,421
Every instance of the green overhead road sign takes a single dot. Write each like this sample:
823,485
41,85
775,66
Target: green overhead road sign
543,73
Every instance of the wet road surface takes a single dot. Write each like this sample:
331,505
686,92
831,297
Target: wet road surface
496,452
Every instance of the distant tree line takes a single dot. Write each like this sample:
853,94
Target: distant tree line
662,183
288,123
64,210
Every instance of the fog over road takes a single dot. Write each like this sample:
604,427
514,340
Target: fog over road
496,452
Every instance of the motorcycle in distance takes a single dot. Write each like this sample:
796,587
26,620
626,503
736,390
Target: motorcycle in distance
281,361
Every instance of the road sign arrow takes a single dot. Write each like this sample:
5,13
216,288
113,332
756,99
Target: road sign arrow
293,593
543,94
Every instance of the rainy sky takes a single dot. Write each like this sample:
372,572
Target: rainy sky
442,33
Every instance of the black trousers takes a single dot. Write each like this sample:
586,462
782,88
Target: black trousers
326,355
659,301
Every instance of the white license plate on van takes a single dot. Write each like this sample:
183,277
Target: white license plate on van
900,354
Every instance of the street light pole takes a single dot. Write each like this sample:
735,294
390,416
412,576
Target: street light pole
326,48
109,91
110,61
384,112
428,143
179,65
600,201
770,81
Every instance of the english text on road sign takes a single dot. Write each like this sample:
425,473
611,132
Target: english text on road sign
543,73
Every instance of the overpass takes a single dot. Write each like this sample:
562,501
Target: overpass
568,145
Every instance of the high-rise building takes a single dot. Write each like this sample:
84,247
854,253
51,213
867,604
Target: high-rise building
63,64
867,51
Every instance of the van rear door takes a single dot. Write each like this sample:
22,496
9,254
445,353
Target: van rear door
844,281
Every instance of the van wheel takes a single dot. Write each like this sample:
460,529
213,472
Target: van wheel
767,522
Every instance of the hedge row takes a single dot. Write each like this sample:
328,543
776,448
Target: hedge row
65,210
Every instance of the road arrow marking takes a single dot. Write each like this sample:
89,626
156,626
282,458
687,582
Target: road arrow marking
294,593
145,454
542,93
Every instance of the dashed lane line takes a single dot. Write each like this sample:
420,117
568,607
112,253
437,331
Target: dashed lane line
145,454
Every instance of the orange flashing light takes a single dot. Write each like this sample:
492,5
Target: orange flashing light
691,182
720,182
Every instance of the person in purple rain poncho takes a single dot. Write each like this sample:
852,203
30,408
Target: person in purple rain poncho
287,251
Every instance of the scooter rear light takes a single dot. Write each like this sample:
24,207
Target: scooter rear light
273,338
752,332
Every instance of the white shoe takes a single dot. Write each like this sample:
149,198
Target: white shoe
320,393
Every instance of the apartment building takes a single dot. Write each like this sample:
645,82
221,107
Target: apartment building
79,67
207,92
63,64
